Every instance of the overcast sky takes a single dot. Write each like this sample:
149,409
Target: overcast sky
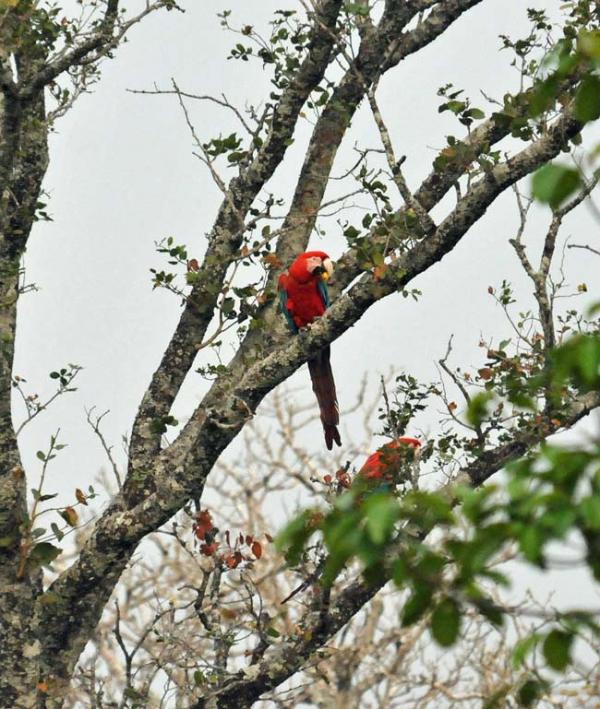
122,176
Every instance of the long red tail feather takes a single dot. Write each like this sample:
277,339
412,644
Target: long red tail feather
324,388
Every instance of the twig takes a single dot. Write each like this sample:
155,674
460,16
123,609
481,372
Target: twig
107,449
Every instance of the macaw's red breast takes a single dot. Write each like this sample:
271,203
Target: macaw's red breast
388,461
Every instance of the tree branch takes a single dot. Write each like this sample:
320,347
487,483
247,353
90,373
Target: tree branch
224,243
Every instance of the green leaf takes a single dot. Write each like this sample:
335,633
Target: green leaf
529,692
273,632
590,511
132,693
382,513
531,542
479,407
557,649
490,610
199,678
417,605
476,113
523,648
58,533
588,43
49,598
445,622
589,360
400,572
45,498
552,184
159,424
293,537
497,700
43,554
587,99
356,8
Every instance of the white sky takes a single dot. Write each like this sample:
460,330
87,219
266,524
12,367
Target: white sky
123,176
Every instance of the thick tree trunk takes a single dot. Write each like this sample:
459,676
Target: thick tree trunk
23,163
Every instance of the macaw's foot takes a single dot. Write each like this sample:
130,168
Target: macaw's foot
304,332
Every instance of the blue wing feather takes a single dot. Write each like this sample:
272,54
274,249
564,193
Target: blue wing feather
324,293
283,299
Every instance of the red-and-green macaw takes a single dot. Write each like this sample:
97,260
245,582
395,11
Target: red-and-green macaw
391,462
303,297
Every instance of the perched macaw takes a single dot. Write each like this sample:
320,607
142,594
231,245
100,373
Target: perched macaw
303,297
390,463
383,469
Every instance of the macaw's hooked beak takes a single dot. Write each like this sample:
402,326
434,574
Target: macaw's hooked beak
324,271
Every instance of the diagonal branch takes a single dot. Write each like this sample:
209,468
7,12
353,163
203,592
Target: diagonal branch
379,51
224,243
108,35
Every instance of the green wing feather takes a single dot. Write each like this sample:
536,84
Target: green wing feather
283,299
324,293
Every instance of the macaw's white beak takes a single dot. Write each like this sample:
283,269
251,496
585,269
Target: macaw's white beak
328,266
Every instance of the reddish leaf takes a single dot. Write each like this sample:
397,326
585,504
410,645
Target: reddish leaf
69,515
379,271
80,497
344,480
272,260
227,538
203,524
327,479
209,549
485,373
269,537
231,561
452,406
249,539
257,549
315,520
193,265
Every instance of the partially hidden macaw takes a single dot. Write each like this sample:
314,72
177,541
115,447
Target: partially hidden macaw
391,463
303,297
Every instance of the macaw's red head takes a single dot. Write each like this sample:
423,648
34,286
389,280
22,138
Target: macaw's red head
311,264
401,450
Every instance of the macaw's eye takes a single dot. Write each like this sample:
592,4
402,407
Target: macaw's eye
318,271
